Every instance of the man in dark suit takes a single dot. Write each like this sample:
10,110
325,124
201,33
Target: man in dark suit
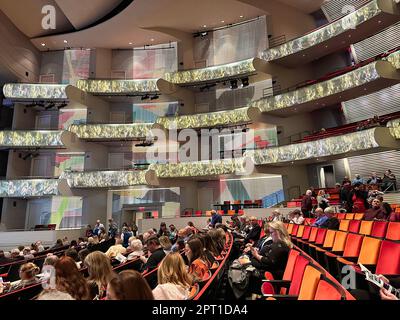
255,231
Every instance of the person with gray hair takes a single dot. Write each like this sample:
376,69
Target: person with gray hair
306,204
332,222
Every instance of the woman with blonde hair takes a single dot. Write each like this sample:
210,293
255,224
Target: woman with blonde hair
174,281
165,244
129,285
273,258
100,273
27,273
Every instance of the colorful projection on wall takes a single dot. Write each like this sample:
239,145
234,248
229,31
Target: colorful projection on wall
76,66
69,162
66,212
148,113
68,117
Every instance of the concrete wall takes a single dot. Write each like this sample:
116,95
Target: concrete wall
19,59
13,217
52,63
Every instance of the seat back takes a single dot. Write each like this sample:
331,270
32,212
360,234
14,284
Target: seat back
290,228
341,216
319,240
309,282
344,225
329,239
369,251
393,231
294,230
354,226
328,290
231,212
353,245
300,231
313,234
379,229
349,216
306,233
358,216
389,258
293,254
298,272
366,227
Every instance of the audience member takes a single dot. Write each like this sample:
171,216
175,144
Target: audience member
331,222
136,247
129,285
376,212
100,274
165,244
358,199
116,249
70,283
112,228
174,281
157,254
97,228
125,235
357,180
320,216
374,179
306,204
297,217
27,273
215,218
322,199
198,266
389,181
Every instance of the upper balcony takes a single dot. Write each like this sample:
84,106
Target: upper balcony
118,87
110,132
28,188
205,120
356,26
33,139
108,178
355,143
35,91
360,80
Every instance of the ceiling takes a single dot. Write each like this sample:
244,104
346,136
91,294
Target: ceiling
306,6
132,24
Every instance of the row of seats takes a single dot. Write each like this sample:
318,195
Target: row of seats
303,279
199,213
334,249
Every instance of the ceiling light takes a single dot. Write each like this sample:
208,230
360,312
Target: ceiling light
65,41
205,26
130,42
222,21
151,39
241,16
43,44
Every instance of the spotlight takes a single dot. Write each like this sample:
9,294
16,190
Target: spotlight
234,84
145,97
62,105
245,82
155,97
203,34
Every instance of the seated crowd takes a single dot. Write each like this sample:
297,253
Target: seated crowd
182,258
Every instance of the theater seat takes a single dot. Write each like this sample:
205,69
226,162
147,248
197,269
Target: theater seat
393,231
328,290
389,258
379,229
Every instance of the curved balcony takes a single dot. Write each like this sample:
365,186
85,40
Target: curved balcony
394,59
31,91
27,188
109,179
371,140
205,120
371,77
32,139
107,132
394,127
118,87
206,168
225,71
356,26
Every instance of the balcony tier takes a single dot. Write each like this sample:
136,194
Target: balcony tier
28,188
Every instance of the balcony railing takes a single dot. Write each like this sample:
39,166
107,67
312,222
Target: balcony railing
353,20
31,139
118,87
28,188
112,131
35,91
